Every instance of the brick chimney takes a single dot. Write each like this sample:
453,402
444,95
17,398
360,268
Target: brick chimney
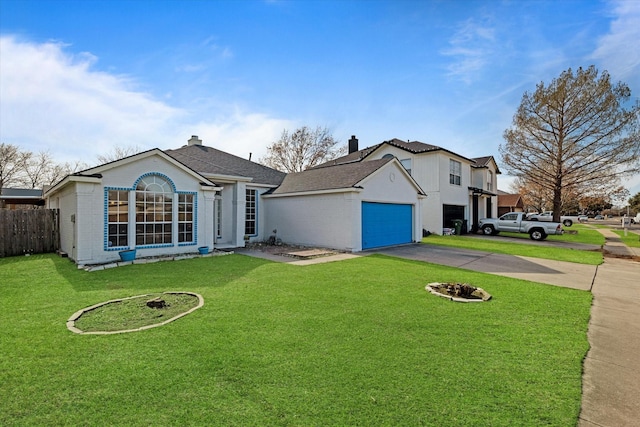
194,140
353,144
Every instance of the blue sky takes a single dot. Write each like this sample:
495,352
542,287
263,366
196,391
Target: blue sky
80,77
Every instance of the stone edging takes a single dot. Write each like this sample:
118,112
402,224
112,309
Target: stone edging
456,299
150,260
72,320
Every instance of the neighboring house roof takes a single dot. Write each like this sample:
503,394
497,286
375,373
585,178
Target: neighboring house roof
20,196
342,176
510,200
20,193
212,162
483,162
414,147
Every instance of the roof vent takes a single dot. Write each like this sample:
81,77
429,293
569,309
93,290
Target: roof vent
194,140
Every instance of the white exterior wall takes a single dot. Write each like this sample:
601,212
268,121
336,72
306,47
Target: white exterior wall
334,220
66,202
431,171
86,241
480,178
327,220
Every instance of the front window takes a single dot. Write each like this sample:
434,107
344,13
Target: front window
455,172
185,218
154,211
219,218
118,218
250,212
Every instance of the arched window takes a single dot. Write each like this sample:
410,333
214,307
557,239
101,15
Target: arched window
154,211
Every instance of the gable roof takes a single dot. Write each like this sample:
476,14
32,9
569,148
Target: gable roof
342,176
94,174
212,162
414,147
510,200
483,162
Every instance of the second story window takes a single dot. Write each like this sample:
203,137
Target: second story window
489,181
455,172
407,165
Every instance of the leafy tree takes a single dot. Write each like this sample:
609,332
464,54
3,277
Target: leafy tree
302,149
595,204
634,203
574,135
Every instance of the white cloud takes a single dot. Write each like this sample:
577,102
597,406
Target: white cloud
617,51
471,47
240,133
53,100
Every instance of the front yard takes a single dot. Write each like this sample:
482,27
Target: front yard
357,342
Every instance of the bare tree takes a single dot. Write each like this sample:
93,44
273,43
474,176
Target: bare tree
37,168
13,163
574,135
117,153
302,149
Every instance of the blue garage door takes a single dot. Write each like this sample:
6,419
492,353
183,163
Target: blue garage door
386,224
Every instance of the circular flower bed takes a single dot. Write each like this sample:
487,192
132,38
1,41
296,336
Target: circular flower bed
135,313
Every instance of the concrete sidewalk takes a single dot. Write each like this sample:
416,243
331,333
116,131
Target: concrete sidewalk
611,375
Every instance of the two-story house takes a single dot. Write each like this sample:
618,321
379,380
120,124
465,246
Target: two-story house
456,187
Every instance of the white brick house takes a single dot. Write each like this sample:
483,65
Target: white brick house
174,201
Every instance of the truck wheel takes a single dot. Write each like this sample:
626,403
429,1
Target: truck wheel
488,230
567,223
537,234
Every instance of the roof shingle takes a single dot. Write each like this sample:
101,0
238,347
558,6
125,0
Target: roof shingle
210,161
345,175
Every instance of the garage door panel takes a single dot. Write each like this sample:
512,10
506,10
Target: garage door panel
386,224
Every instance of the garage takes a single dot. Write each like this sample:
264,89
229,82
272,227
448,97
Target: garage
386,224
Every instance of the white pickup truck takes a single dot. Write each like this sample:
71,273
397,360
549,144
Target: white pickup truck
566,220
516,222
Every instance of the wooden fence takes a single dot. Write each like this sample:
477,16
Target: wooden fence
31,231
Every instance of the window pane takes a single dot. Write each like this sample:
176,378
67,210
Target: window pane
117,218
250,212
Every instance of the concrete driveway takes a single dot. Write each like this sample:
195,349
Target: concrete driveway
566,274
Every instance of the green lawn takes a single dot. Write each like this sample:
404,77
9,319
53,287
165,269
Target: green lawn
631,239
513,247
357,342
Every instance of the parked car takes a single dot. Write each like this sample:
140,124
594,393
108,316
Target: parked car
598,217
566,220
517,222
583,218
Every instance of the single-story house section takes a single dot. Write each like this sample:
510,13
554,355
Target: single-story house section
509,203
148,201
239,213
351,206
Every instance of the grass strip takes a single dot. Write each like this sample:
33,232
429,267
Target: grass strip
631,239
504,246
